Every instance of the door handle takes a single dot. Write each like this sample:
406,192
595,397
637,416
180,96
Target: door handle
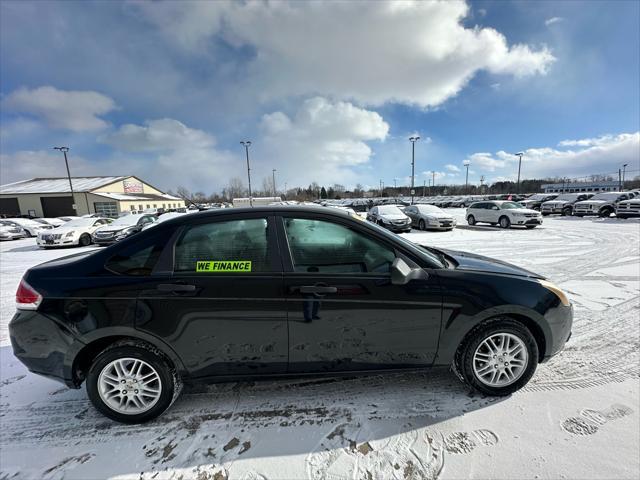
321,289
175,287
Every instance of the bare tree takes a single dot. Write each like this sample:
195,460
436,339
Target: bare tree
235,189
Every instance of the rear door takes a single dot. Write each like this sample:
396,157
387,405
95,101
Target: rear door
222,307
344,312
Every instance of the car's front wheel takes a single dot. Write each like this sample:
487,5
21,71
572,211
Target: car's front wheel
471,220
422,225
85,240
498,357
504,222
132,383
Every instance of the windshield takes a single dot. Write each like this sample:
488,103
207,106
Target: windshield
539,196
127,220
389,210
606,196
510,205
568,196
79,223
429,209
426,254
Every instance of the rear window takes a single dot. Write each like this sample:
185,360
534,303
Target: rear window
139,258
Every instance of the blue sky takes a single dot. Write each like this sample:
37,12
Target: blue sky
327,92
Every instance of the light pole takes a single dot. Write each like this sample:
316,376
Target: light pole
519,154
246,144
413,141
624,169
273,175
433,183
64,151
466,163
424,188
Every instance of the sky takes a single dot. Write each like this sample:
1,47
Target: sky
326,92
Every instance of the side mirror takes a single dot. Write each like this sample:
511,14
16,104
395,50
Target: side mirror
401,273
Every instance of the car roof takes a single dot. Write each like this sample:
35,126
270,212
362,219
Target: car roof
266,209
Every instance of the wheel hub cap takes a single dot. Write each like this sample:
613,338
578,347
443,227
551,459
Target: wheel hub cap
129,386
500,360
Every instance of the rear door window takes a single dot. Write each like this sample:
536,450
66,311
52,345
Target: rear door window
235,246
139,258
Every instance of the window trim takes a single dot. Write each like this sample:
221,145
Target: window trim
272,246
287,259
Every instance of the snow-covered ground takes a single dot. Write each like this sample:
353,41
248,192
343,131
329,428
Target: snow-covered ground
578,418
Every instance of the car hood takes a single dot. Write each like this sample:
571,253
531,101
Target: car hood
478,263
113,228
555,202
61,230
392,216
439,216
520,210
593,202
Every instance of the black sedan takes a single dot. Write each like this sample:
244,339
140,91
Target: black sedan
273,291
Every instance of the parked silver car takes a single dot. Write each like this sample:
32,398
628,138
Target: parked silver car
628,208
503,213
563,204
390,217
429,217
603,204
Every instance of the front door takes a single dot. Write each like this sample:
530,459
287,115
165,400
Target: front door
344,312
222,308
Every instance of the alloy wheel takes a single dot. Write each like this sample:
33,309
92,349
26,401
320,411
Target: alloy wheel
129,386
500,360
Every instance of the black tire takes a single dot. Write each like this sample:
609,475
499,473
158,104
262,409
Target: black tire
171,384
422,225
566,212
545,214
463,362
605,213
85,240
530,226
578,215
504,222
471,220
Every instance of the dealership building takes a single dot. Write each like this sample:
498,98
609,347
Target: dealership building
109,196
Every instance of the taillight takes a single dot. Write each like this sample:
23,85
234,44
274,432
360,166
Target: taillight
26,297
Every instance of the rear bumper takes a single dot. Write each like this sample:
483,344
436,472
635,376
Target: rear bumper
43,345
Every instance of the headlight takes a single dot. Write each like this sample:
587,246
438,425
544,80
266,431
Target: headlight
557,290
432,221
70,234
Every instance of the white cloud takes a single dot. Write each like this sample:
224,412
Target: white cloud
552,20
600,155
322,142
26,164
73,110
417,53
452,168
164,134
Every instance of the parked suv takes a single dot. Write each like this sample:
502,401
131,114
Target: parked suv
603,204
503,213
628,208
564,203
535,201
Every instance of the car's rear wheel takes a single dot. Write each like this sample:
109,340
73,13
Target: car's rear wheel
504,222
498,357
85,239
471,220
566,212
132,383
422,225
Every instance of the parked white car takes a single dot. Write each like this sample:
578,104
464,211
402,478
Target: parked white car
30,226
74,232
603,204
503,213
11,232
429,217
390,217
